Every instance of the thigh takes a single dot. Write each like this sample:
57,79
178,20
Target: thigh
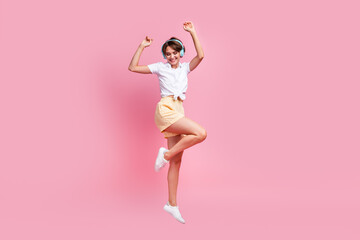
186,126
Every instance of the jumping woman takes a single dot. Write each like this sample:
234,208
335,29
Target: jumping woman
180,131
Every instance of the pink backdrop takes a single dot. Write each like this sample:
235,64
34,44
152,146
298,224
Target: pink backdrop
277,91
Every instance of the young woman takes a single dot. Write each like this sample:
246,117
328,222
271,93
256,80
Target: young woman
180,131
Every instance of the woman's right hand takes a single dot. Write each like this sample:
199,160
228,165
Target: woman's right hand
146,42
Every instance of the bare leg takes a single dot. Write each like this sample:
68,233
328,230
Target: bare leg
195,133
173,172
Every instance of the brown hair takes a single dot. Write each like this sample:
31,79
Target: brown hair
173,44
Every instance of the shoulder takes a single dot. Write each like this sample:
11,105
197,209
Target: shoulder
185,63
158,64
155,67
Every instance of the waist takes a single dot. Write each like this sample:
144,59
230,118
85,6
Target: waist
172,96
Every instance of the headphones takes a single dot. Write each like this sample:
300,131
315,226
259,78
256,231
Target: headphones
171,40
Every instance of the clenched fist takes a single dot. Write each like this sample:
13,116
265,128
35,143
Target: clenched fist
147,41
189,26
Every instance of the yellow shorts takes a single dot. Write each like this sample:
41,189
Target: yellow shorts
168,110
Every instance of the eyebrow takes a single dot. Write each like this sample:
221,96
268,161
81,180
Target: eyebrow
171,52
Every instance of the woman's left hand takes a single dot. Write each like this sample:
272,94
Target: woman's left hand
189,27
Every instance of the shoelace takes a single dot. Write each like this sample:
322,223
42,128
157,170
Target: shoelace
177,214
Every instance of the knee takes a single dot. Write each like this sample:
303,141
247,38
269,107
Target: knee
175,162
202,135
177,158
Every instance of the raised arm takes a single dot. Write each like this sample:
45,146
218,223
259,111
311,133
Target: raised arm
135,60
189,26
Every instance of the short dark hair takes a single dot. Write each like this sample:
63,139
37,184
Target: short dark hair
173,44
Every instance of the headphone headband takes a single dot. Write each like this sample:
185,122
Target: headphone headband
171,40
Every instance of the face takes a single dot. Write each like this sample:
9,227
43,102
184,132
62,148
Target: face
172,56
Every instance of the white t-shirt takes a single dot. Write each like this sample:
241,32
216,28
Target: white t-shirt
172,81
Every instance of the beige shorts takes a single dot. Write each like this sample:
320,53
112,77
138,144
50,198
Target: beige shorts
168,111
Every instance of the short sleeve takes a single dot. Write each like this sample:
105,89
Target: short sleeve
187,66
154,67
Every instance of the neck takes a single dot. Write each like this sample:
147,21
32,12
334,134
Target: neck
175,66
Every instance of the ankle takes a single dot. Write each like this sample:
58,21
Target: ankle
173,204
166,156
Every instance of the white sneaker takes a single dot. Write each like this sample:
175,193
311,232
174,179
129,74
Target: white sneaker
160,160
174,211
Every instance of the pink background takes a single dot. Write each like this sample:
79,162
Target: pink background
277,91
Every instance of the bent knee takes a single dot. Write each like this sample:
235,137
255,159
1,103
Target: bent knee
202,135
